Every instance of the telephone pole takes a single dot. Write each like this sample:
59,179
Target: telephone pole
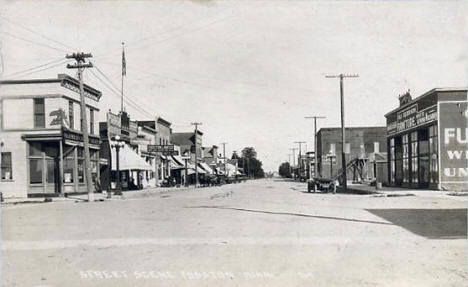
81,65
294,155
224,156
343,140
315,143
299,161
196,124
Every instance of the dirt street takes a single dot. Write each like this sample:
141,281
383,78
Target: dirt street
257,233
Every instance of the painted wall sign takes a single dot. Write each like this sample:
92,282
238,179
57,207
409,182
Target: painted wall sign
411,117
160,148
113,125
75,88
76,137
453,142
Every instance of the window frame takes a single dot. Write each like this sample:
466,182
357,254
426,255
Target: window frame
36,113
71,114
10,166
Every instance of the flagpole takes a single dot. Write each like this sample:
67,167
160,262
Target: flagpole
123,73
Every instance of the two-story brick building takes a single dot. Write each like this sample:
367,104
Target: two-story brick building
41,138
427,140
162,136
361,143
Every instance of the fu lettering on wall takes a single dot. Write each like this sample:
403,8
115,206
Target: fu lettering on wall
453,142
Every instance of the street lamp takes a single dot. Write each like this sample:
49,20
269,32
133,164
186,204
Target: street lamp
117,144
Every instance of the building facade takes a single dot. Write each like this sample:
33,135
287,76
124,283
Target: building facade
131,164
360,142
41,138
186,141
427,140
163,132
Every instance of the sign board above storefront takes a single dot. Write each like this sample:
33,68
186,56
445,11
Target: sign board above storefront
78,138
173,152
160,148
410,118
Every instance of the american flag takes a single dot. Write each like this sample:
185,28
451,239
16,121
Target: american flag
124,64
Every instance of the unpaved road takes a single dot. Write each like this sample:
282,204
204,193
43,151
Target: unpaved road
258,233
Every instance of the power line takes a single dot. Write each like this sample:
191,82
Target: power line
36,33
174,36
36,43
116,89
36,67
117,94
47,68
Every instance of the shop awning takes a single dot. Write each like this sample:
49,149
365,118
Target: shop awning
129,160
206,167
175,164
231,170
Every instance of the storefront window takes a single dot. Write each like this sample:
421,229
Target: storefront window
35,170
392,160
414,157
68,165
6,166
35,149
50,171
405,158
433,154
80,171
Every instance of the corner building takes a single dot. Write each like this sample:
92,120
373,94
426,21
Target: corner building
41,139
427,140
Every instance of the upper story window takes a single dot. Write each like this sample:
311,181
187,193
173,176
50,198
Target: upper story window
39,113
71,115
347,148
376,147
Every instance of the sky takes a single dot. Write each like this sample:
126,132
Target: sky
250,71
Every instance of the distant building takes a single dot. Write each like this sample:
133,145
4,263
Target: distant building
163,134
41,138
427,140
131,164
186,141
362,143
210,155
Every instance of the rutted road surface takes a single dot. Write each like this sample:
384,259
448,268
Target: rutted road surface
257,233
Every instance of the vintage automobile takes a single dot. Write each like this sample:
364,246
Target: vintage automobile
323,184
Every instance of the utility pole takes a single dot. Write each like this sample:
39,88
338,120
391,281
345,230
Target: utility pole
343,140
196,124
224,156
289,160
315,143
294,156
299,161
81,65
124,73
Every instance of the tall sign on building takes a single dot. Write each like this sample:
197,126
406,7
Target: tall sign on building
453,143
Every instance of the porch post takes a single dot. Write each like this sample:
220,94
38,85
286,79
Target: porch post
61,168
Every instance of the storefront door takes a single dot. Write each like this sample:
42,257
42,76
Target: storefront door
52,176
424,168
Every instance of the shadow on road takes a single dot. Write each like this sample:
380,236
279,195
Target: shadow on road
430,223
293,214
